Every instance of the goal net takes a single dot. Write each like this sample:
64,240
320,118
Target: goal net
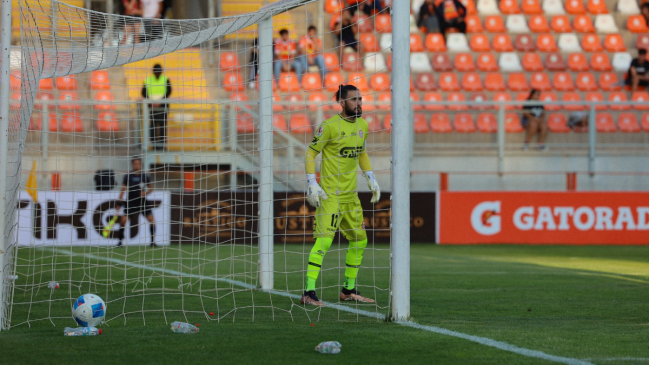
94,96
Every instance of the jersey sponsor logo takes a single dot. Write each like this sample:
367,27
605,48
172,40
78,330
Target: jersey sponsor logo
350,152
485,218
319,132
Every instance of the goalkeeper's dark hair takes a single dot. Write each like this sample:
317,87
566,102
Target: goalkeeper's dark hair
343,90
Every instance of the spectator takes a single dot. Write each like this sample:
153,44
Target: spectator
370,7
450,14
644,10
133,11
427,17
345,31
254,63
310,51
638,74
534,121
285,51
578,120
157,87
152,12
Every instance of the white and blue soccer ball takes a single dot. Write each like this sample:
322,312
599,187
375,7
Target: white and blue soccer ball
89,310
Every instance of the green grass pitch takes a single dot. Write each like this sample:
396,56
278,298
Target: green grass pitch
577,302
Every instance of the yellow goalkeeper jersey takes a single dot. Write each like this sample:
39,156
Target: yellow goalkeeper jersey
341,141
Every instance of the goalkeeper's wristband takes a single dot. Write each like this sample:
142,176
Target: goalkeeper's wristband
311,180
369,175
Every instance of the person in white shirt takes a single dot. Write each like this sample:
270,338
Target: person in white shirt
151,12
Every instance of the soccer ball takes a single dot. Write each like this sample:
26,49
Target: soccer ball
89,310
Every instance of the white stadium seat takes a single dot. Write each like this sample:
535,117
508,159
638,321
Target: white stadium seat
416,5
413,24
628,7
568,42
517,24
488,7
509,62
386,42
622,61
553,7
419,62
374,62
456,42
604,23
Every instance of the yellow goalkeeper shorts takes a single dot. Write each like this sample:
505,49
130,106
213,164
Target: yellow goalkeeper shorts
332,215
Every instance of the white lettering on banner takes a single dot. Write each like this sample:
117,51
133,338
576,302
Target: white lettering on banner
485,218
583,218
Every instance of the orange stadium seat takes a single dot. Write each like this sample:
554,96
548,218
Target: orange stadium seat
524,43
471,82
583,24
636,24
66,83
641,97
480,100
494,24
562,81
509,7
440,123
441,62
372,123
297,102
486,123
317,98
494,82
412,84
107,122
464,62
383,23
385,97
368,103
502,43
554,62
99,80
388,61
546,43
238,97
577,62
502,96
549,96
463,123
425,82
628,123
614,43
369,42
47,84
608,81
420,123
600,62
333,6
561,24
300,123
470,7
35,124
517,82
597,7
45,97
539,24
279,122
332,81
351,62
540,81
435,101
644,122
487,62
228,61
53,122
232,81
435,42
605,123
332,63
557,123
531,7
513,123
595,96
414,97
591,43
457,97
288,82
364,23
276,106
532,62
448,82
616,97
70,97
312,81
15,80
642,42
71,122
104,100
585,81
416,45
479,43
473,24
359,80
575,7
380,81
246,124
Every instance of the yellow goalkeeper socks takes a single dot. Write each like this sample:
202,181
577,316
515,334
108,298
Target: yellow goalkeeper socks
316,256
353,261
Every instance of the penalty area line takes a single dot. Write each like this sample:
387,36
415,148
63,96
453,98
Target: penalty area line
439,330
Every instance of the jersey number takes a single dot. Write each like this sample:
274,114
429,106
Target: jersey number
334,220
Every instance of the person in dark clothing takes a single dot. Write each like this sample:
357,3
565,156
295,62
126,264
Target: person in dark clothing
638,74
157,87
534,121
450,14
644,10
428,17
136,186
345,31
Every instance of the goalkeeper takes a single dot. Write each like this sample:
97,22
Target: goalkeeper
341,139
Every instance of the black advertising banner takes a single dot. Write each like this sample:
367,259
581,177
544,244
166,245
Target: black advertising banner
213,217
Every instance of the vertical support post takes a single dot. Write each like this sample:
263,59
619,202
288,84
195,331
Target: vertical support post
266,239
501,138
232,139
146,127
211,13
5,259
111,23
592,139
401,129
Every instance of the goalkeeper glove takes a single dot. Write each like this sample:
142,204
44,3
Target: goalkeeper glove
374,187
314,191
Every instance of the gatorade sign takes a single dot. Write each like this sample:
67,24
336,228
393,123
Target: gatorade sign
543,218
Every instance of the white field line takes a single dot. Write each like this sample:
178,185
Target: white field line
443,331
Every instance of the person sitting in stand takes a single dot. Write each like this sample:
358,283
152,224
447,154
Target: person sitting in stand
285,52
638,74
310,50
345,31
450,14
534,121
428,18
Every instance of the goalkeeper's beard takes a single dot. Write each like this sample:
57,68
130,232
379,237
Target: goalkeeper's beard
357,113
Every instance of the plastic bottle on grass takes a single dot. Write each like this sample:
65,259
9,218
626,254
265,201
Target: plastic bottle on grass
183,327
53,285
81,331
329,347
